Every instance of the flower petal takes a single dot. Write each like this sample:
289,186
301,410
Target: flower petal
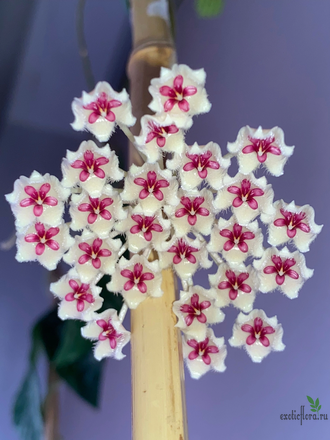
83,259
52,244
96,262
50,201
40,248
228,245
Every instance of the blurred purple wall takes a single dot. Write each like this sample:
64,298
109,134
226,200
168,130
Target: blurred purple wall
267,63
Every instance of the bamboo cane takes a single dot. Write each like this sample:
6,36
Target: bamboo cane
158,397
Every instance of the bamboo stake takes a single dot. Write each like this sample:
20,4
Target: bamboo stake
158,397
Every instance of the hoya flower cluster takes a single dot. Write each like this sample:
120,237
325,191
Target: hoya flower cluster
167,208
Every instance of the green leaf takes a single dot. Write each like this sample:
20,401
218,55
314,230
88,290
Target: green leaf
310,400
50,327
209,8
317,402
72,345
79,369
111,300
318,409
313,410
84,376
27,408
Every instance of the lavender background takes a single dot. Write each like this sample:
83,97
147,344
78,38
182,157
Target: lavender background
267,63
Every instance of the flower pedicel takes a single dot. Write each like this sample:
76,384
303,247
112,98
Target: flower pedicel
169,211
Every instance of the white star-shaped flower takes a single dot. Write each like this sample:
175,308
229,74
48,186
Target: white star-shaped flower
258,334
136,279
109,333
91,168
292,222
247,196
193,213
204,356
96,213
159,135
199,164
195,311
78,300
236,242
38,198
179,92
282,270
237,287
43,243
93,256
255,147
151,187
143,231
100,110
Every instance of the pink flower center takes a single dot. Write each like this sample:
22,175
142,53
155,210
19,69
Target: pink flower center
192,208
160,133
38,198
136,278
258,332
151,186
201,162
183,251
235,283
101,108
146,225
93,253
80,294
245,194
236,238
202,349
108,332
96,207
282,268
43,237
292,221
261,147
177,94
90,166
195,310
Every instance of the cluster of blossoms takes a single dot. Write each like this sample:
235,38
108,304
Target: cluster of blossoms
169,210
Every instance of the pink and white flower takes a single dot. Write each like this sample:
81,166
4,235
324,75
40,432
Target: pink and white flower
109,333
255,147
136,279
43,243
236,242
38,198
195,212
198,164
143,231
91,168
247,196
78,300
179,92
292,222
98,214
282,270
195,311
184,255
159,135
151,187
237,287
201,357
93,256
258,334
100,110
